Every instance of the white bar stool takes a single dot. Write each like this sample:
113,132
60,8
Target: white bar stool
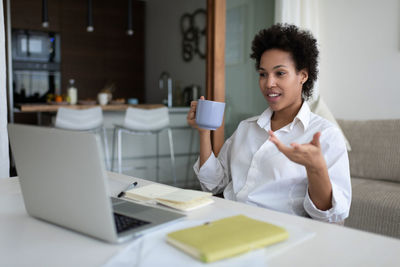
90,119
144,122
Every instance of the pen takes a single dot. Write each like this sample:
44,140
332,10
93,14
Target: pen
129,187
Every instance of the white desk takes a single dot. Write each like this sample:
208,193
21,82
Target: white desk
25,241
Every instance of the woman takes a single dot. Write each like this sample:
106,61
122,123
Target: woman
287,159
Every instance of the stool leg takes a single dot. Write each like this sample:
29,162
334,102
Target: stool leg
119,151
113,149
157,158
106,147
171,150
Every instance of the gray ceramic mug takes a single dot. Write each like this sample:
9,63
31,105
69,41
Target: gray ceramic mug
209,114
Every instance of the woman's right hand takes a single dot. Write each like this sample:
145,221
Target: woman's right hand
191,116
204,134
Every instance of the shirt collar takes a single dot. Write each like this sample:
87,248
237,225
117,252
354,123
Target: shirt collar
303,116
264,121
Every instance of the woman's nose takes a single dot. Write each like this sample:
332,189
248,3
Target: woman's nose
270,82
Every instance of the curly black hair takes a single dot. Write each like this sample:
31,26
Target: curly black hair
299,43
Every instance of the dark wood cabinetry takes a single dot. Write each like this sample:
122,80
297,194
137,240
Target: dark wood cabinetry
92,58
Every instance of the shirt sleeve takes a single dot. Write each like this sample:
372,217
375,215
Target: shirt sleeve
214,175
335,154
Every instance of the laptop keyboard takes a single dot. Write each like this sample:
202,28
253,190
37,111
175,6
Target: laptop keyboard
125,223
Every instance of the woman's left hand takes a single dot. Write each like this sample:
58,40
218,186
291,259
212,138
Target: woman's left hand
308,155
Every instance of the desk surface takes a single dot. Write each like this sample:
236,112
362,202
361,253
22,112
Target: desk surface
29,242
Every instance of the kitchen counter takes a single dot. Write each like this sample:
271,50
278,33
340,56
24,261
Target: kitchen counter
179,109
110,107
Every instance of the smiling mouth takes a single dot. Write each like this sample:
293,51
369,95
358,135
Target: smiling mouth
273,95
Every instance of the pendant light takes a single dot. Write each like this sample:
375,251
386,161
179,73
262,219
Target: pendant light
45,15
129,31
89,27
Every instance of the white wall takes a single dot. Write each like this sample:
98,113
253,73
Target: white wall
360,58
4,157
163,46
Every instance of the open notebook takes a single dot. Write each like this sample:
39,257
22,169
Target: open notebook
177,198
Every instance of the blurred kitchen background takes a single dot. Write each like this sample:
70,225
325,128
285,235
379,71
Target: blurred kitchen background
168,36
127,48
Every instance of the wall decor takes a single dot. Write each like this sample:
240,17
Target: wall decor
193,29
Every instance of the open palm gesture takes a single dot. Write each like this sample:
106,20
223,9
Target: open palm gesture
308,155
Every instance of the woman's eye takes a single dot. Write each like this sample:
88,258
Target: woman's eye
263,74
280,73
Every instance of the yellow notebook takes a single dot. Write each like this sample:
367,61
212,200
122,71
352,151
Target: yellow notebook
226,237
177,198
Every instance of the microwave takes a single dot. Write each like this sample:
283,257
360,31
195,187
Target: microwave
35,46
36,65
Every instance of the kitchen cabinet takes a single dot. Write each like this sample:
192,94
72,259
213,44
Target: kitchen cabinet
93,59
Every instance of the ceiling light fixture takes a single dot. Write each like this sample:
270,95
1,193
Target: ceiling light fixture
45,15
129,31
89,27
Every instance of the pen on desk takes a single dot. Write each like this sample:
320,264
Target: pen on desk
129,187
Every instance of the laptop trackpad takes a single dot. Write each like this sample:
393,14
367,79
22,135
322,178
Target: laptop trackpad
130,208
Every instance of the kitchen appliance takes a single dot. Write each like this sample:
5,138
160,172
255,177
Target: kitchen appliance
35,46
36,65
190,93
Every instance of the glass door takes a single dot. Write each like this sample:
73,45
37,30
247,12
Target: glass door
244,18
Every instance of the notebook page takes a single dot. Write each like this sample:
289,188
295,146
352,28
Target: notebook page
187,206
151,191
184,195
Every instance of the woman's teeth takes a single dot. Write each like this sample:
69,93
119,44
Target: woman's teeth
273,95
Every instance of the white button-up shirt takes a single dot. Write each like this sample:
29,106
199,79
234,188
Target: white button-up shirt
251,169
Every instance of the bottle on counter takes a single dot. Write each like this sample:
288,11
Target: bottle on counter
72,92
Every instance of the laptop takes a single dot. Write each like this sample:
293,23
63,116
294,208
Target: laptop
64,182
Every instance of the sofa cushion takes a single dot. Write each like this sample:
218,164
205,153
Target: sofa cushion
375,207
318,106
375,148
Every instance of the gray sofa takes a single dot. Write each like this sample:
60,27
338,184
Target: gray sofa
375,175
